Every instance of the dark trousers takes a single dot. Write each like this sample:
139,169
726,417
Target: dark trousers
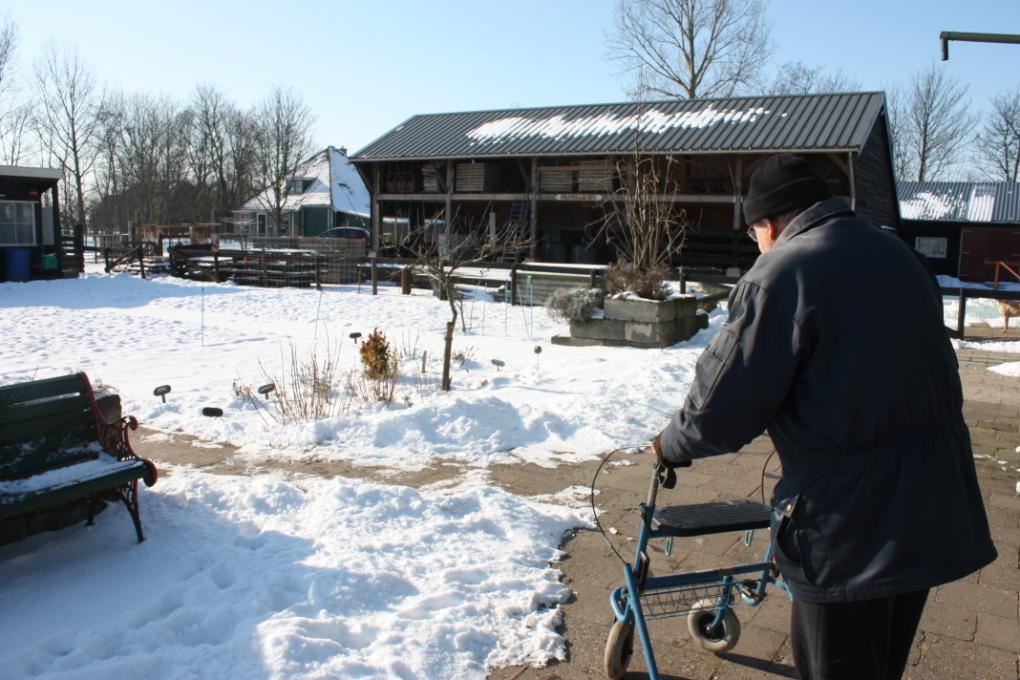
855,640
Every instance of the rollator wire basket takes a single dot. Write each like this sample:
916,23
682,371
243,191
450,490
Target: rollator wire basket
666,602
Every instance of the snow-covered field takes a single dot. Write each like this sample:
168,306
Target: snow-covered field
287,576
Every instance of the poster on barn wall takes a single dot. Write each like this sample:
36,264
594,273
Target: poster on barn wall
932,246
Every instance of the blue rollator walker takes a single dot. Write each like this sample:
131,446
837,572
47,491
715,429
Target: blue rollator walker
706,598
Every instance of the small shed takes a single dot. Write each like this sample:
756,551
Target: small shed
962,227
29,223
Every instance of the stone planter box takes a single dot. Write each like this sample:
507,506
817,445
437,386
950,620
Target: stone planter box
639,323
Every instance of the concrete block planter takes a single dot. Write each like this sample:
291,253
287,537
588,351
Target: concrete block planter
639,323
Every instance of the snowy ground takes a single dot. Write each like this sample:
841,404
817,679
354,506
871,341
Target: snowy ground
288,577
283,576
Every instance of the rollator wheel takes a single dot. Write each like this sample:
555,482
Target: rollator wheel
619,649
725,635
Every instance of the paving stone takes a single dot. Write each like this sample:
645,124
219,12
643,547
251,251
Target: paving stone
949,620
975,597
997,632
944,658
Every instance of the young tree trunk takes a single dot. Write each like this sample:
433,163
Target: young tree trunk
448,353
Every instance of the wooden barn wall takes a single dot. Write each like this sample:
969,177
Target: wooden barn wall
910,230
876,193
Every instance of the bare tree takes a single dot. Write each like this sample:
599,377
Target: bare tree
222,153
796,77
282,141
15,117
645,227
71,117
443,246
690,48
8,43
998,143
933,126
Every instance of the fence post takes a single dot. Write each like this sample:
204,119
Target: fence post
141,260
375,278
106,260
318,267
405,280
683,281
961,313
216,266
79,247
513,285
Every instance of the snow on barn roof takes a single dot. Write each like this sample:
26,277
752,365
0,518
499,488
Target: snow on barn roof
994,202
823,122
348,193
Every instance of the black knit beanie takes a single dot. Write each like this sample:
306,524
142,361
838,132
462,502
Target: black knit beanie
783,182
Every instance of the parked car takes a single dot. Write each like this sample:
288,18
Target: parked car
349,232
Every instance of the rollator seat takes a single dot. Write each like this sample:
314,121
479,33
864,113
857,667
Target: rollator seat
716,517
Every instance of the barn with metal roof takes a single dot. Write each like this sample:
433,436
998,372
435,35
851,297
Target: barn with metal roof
963,227
552,169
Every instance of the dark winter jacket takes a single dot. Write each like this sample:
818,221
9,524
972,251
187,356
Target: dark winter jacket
835,344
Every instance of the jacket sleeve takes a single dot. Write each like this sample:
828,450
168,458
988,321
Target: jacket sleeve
740,380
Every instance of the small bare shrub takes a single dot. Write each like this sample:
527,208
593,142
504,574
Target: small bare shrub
304,387
574,304
622,277
464,356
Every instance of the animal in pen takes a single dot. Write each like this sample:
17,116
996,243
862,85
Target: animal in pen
1008,309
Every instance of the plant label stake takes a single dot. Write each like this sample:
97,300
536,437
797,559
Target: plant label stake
538,354
498,364
266,389
354,336
161,392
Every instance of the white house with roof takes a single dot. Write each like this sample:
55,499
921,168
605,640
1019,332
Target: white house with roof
325,192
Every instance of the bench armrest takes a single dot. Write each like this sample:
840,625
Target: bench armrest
113,437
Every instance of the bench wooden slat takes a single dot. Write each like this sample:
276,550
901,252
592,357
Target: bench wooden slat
49,452
79,426
41,389
12,505
46,408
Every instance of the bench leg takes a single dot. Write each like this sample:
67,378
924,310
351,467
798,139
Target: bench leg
94,502
129,495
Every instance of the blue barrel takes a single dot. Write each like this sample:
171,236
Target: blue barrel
19,264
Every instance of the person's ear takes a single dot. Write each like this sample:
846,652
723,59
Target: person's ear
773,228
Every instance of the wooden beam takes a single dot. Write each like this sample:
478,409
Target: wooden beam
376,216
448,203
533,208
840,163
852,175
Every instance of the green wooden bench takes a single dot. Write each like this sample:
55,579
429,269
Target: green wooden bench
57,448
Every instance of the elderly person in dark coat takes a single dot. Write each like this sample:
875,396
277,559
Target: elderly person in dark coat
835,345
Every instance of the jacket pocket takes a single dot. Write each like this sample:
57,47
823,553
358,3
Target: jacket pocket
788,540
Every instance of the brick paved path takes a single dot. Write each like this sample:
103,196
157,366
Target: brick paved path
970,629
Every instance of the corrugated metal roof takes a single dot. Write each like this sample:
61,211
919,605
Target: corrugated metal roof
836,122
994,202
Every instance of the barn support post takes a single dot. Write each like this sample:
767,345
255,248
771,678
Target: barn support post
533,209
376,217
852,176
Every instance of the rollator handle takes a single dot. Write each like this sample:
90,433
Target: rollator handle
666,476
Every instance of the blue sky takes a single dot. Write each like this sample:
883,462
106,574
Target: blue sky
364,67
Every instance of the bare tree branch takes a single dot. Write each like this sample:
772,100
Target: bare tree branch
998,143
796,77
933,126
690,48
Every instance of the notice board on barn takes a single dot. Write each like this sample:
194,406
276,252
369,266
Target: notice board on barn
980,247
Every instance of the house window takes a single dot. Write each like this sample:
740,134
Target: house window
17,223
931,246
299,185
